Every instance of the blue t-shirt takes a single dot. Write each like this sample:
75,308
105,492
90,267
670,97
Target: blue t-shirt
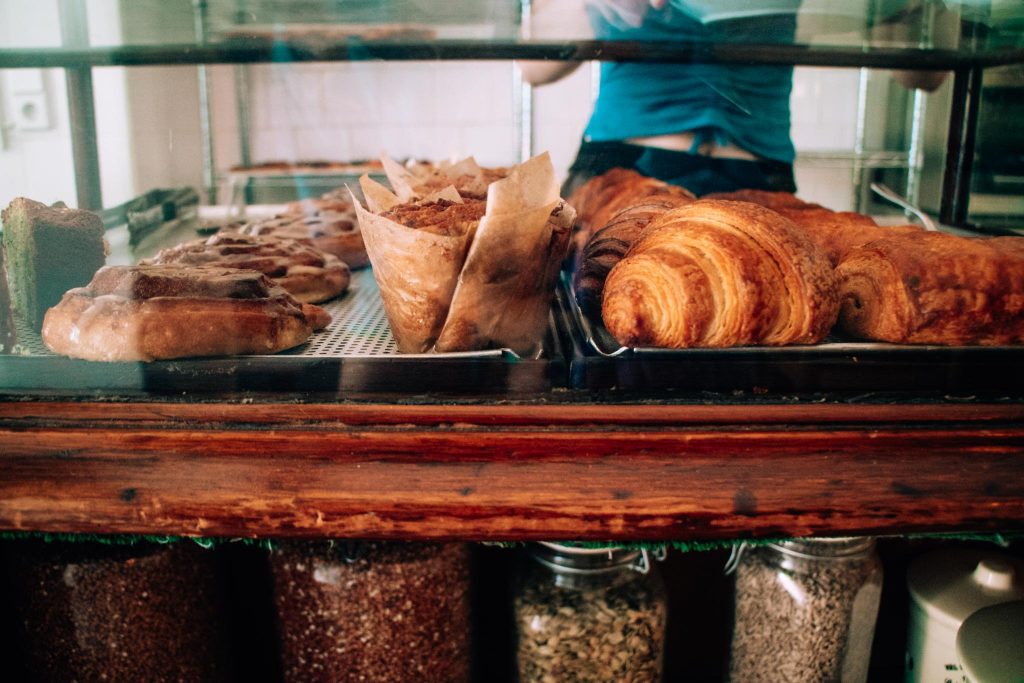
743,105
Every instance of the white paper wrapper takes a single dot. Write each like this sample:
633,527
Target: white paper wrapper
498,294
505,286
416,272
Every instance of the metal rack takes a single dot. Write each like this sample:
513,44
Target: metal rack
968,68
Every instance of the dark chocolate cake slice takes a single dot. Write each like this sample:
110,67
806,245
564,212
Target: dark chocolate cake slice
7,336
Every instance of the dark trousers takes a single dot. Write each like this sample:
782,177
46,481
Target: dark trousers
699,174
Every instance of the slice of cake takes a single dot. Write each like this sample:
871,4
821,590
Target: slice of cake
7,336
49,250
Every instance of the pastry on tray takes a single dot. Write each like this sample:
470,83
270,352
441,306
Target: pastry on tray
837,232
307,273
461,274
334,231
603,196
934,288
609,244
48,250
150,312
718,273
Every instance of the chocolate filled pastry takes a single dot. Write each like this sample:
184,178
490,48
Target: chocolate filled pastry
837,232
934,288
607,246
603,196
307,273
334,231
461,274
719,273
150,312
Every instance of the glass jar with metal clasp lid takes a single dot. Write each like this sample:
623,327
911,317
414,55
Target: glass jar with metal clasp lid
805,610
586,614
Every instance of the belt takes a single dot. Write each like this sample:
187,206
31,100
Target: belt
685,142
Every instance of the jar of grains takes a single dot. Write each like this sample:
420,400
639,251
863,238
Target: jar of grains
373,611
589,615
805,611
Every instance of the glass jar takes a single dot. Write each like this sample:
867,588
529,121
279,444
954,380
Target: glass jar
806,610
94,612
373,611
589,615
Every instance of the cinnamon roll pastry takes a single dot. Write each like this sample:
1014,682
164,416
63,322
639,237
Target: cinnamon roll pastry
719,273
307,273
150,312
607,246
934,288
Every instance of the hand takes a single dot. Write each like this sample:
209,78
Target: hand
625,13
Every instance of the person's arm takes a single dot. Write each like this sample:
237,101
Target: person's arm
567,20
945,34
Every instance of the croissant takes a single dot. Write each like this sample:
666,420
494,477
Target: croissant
607,246
719,273
934,288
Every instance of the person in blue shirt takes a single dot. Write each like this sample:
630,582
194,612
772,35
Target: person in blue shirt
706,127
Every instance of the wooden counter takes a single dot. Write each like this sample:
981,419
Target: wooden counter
528,470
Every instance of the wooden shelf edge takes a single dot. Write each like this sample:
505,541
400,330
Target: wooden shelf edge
569,480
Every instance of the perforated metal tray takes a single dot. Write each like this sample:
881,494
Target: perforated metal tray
835,366
356,354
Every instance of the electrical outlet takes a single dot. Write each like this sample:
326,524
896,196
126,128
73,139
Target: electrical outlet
30,111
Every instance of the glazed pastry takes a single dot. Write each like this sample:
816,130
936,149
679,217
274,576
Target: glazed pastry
934,288
334,231
719,273
149,312
607,246
307,273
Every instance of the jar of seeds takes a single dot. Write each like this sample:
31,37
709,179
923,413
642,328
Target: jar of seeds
373,611
589,615
805,611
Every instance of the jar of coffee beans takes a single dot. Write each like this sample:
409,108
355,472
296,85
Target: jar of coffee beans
806,610
373,611
589,615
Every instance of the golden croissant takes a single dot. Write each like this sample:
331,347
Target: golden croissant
719,273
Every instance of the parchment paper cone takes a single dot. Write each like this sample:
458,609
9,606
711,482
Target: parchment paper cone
413,184
416,271
504,288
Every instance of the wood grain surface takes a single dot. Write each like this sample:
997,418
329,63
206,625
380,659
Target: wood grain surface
503,472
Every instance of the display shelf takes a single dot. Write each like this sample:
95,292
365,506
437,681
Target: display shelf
556,468
297,50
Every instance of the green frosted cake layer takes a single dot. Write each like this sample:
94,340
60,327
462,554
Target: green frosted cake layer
49,251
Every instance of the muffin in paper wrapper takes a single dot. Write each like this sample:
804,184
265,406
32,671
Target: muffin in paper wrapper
479,285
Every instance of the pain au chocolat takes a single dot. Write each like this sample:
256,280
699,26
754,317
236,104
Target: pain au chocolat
934,288
150,312
719,273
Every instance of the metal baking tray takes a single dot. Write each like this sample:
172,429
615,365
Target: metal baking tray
837,365
355,356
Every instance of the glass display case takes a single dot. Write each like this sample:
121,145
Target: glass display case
578,437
